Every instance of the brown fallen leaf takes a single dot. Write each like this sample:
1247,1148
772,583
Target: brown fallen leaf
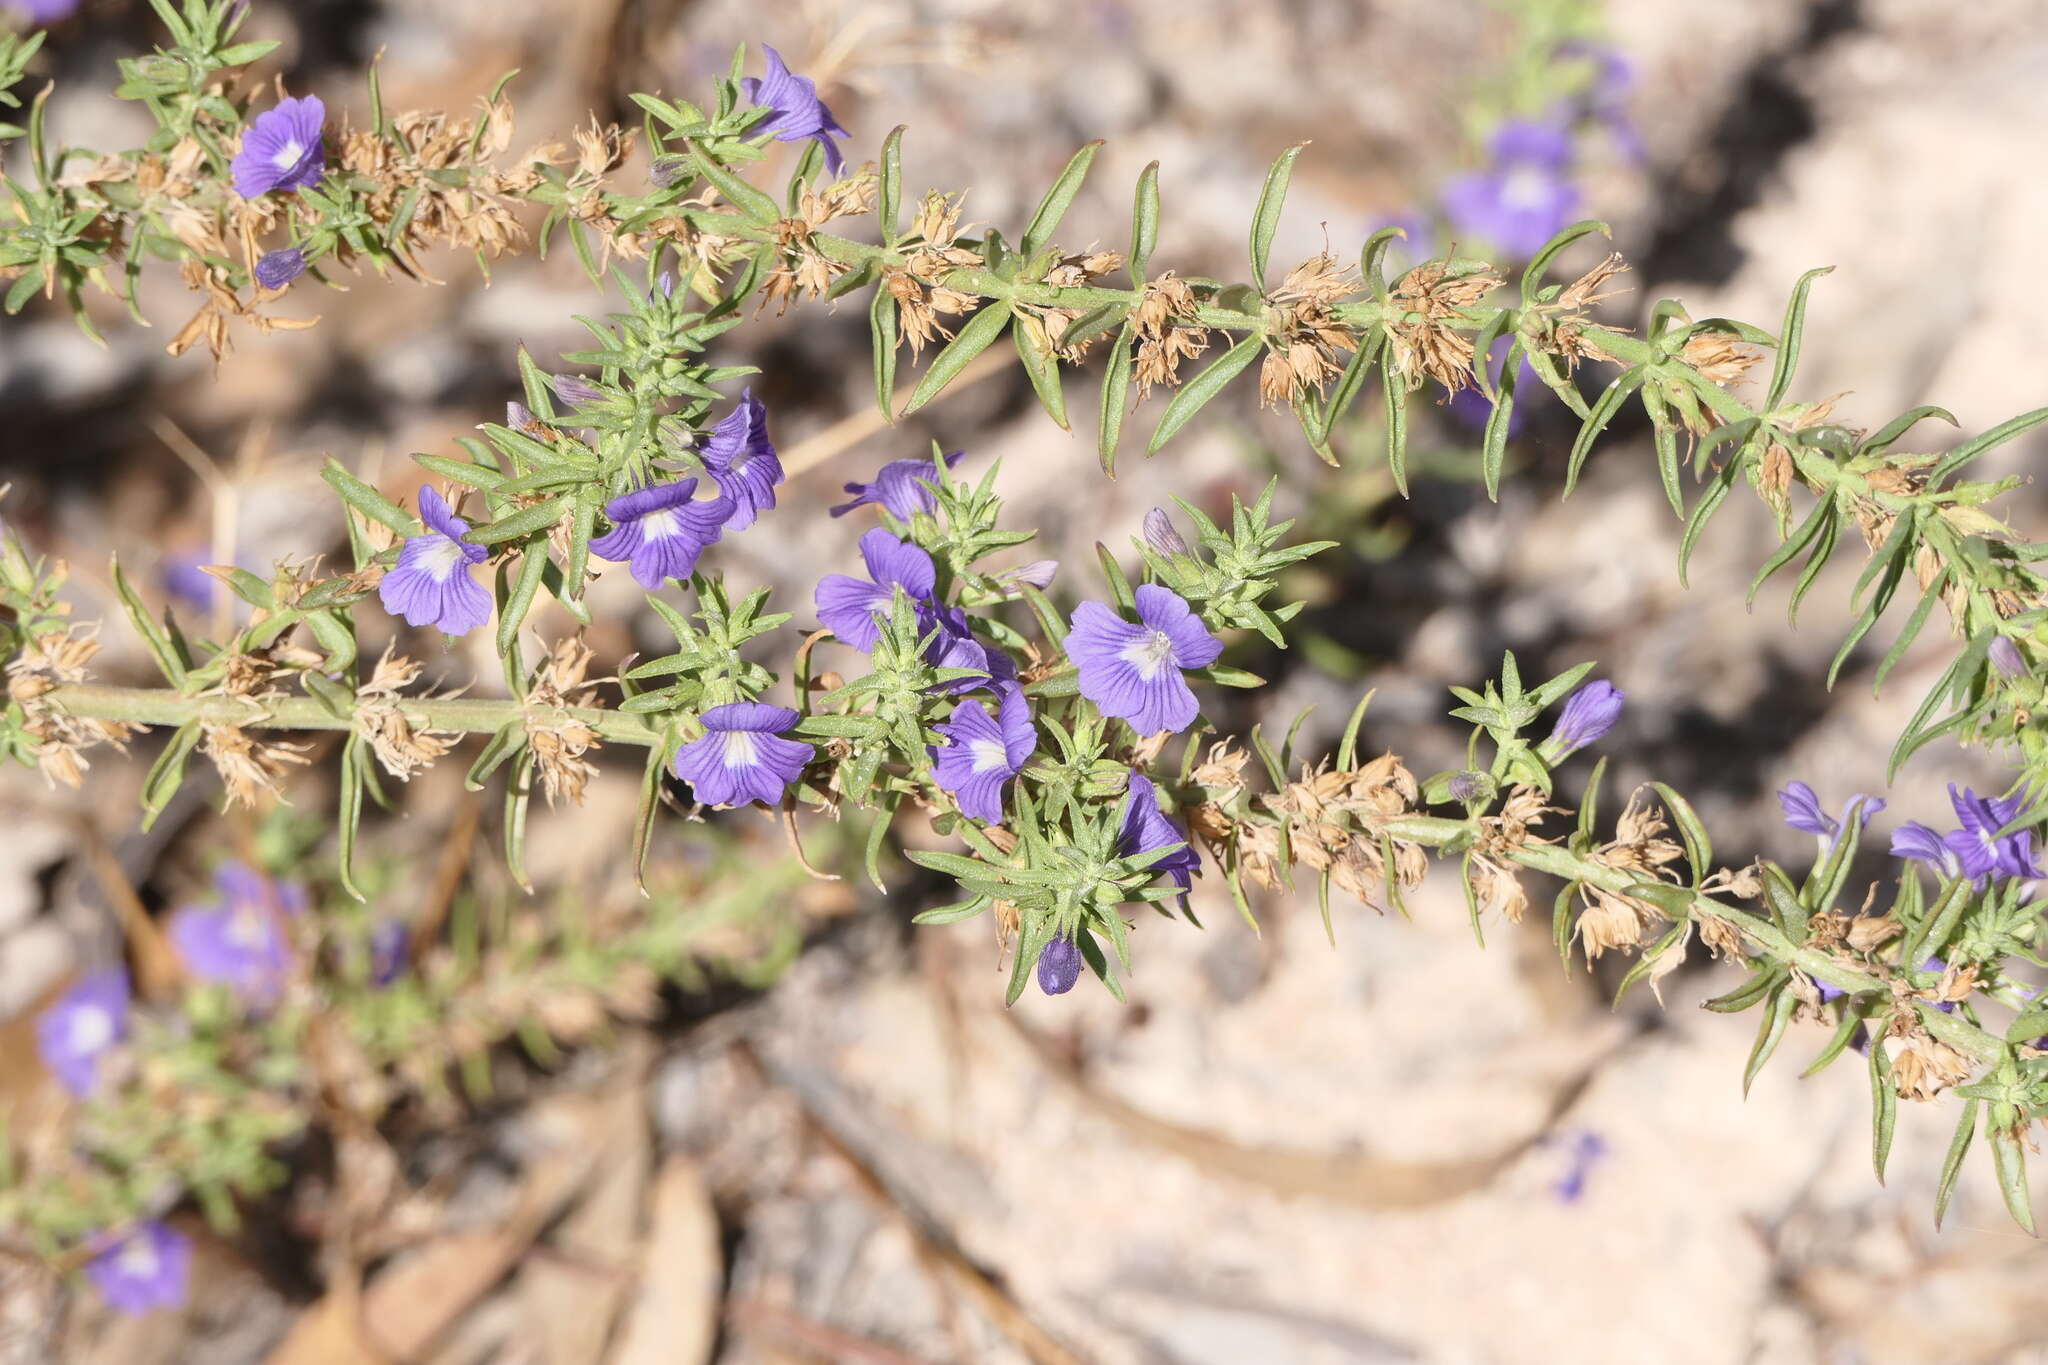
413,1303
329,1333
674,1318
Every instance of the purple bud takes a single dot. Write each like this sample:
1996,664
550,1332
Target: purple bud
668,170
1589,713
1059,966
518,415
2007,657
1038,573
575,389
279,268
1466,786
1161,536
667,282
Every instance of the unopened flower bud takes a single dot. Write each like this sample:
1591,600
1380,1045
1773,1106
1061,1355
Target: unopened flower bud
2006,656
1059,966
1589,714
279,268
1161,536
1038,573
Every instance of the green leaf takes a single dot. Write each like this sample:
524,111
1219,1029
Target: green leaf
1788,344
891,188
1823,511
1769,1031
1952,1164
882,335
1493,449
1347,748
1197,392
1054,206
524,522
154,637
349,813
1604,408
1144,223
1395,390
1116,387
506,742
742,196
1990,440
1113,574
975,337
1532,276
516,602
167,774
1884,1108
1888,434
1699,849
1266,220
1042,368
1703,511
2009,1158
367,500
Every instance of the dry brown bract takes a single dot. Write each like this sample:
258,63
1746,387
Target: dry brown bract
559,740
249,767
401,747
1306,346
1425,312
60,739
1720,357
1566,316
1167,331
1335,822
1613,919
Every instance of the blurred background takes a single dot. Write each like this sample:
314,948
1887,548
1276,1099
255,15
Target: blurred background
1400,1147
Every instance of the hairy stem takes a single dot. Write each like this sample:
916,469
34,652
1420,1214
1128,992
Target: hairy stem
162,706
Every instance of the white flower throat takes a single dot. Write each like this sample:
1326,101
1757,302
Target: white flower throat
288,155
1149,653
441,560
741,749
989,755
659,525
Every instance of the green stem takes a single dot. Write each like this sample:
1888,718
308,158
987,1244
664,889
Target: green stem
1562,863
162,706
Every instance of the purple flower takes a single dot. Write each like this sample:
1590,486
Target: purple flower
1524,197
1134,671
431,585
1145,829
1059,966
283,149
1038,573
901,487
86,1021
1802,811
1161,536
2006,657
1589,713
1982,855
279,268
983,753
957,646
240,940
661,531
390,944
148,1269
1583,1150
36,13
798,112
742,757
576,390
1924,845
743,461
185,578
848,606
